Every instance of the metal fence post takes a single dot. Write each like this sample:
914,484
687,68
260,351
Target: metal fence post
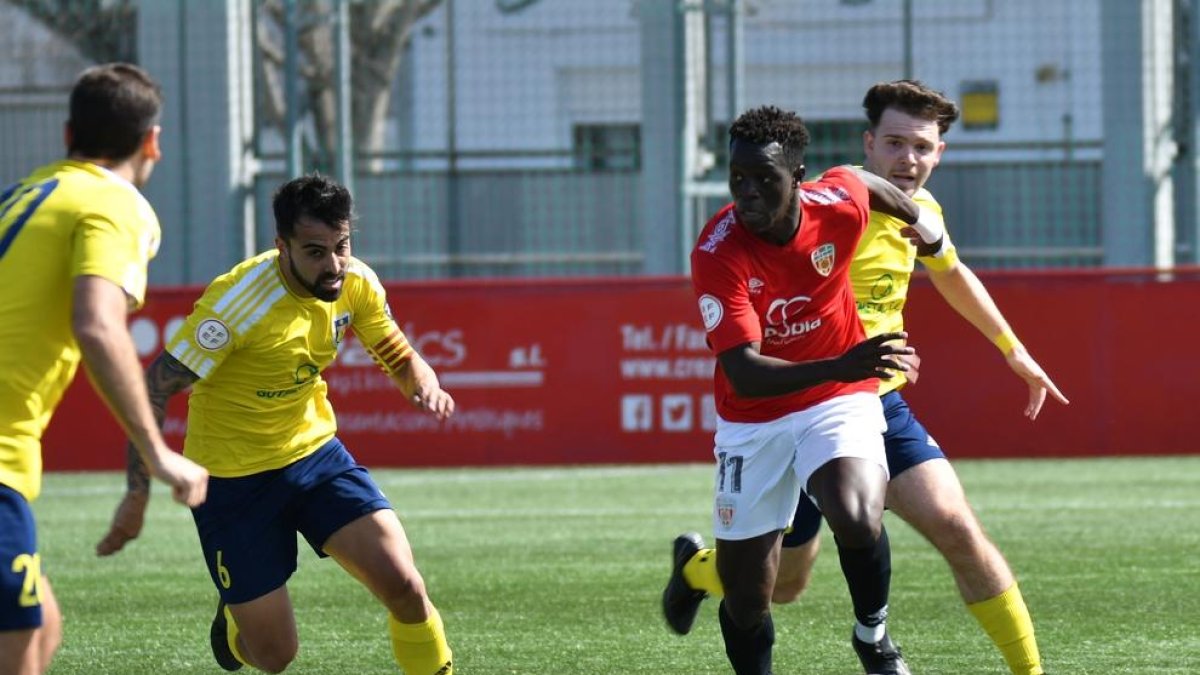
343,158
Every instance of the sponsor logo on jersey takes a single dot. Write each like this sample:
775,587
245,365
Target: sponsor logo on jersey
212,335
718,234
883,287
305,373
276,393
784,318
822,259
755,285
711,311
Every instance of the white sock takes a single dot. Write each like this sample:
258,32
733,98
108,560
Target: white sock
870,634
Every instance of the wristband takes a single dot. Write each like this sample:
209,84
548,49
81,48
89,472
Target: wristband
936,249
948,254
930,225
1007,342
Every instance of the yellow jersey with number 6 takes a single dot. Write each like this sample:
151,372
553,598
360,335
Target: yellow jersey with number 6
259,350
64,220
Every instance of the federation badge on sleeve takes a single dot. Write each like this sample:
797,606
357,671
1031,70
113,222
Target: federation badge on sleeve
212,335
711,311
822,259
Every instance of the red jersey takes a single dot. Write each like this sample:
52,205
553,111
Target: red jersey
795,299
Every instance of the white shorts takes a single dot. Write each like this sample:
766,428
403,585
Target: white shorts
762,467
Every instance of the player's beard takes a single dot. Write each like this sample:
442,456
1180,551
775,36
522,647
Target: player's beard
315,288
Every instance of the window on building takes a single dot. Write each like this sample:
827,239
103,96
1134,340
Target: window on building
981,101
607,146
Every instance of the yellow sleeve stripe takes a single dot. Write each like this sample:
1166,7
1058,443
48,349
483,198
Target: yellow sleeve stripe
245,304
250,299
260,310
189,356
238,290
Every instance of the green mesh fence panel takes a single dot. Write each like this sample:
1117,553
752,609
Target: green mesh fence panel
507,137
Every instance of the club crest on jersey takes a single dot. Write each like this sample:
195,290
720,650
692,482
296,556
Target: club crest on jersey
822,259
339,328
725,512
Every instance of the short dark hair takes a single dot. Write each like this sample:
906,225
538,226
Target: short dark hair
769,124
314,196
112,107
910,97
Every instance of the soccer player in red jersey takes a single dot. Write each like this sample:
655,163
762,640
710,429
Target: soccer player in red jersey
904,144
796,383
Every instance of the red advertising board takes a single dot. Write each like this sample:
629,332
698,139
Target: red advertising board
617,370
1113,341
542,373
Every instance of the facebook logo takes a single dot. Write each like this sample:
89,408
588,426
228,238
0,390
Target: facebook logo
637,412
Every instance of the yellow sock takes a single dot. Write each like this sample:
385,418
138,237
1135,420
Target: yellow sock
1006,620
421,648
231,635
701,573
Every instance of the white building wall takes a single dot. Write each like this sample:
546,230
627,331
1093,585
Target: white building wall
525,78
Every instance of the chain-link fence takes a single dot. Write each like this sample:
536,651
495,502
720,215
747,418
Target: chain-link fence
571,137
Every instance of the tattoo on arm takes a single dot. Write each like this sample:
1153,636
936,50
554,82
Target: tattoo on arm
137,476
164,378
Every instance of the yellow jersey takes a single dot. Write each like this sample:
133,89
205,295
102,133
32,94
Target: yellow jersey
259,350
64,220
881,270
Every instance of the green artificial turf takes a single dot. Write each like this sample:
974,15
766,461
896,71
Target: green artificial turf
560,570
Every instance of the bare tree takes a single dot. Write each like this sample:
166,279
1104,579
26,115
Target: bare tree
380,31
102,30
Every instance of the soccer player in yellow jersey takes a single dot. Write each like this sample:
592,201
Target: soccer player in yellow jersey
75,239
904,144
260,421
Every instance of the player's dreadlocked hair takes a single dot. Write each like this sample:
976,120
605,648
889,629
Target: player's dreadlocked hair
767,124
315,196
910,97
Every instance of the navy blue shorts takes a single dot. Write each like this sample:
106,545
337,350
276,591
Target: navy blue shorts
20,564
248,524
906,443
